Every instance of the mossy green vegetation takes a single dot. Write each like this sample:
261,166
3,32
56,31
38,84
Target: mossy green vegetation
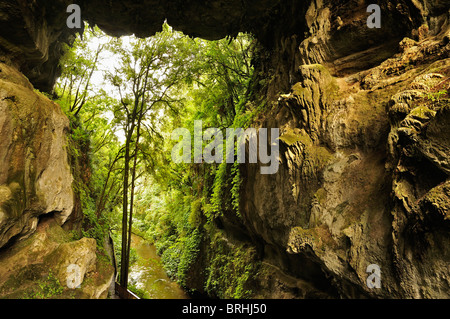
315,155
436,96
183,220
178,207
141,293
35,282
232,268
49,288
94,226
44,278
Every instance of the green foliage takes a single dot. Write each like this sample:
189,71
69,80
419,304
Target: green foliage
191,249
93,226
171,258
217,196
133,256
166,81
48,288
78,64
195,216
92,143
436,96
236,188
141,293
231,269
187,199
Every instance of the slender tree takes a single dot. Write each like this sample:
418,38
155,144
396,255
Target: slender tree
78,65
145,79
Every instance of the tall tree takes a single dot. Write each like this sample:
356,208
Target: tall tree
145,78
78,66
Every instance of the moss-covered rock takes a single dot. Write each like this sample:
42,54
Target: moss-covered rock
231,268
437,201
35,176
50,264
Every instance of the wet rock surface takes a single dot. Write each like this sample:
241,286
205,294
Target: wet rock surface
50,264
363,175
35,176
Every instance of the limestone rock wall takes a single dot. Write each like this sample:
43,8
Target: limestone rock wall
363,175
37,198
50,258
35,176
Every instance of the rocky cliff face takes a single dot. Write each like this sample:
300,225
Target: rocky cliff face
363,177
49,264
35,176
364,151
36,198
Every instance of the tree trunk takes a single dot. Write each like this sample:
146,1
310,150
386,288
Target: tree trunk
124,262
133,180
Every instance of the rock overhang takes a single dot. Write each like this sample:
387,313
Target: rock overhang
32,34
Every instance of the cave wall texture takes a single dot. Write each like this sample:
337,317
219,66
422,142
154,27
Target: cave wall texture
364,153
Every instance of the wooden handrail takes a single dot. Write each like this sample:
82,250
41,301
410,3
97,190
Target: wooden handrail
124,293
